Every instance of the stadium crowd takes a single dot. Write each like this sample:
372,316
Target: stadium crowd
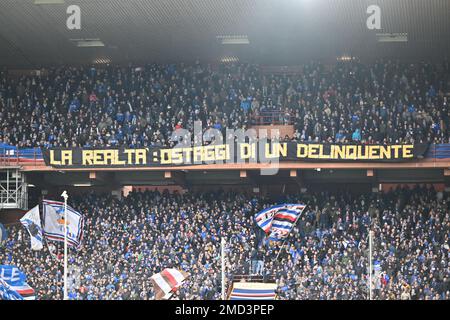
383,102
128,240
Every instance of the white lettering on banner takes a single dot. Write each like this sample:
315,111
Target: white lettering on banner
15,275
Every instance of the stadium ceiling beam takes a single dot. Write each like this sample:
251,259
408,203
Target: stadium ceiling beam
178,177
251,177
297,176
419,164
447,179
374,181
98,176
102,177
37,178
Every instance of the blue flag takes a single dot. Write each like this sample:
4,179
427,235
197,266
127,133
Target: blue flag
13,284
12,275
7,293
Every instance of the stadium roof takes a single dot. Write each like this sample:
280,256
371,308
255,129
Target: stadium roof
278,31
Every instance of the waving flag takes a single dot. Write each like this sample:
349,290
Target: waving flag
7,293
278,221
54,223
264,218
12,275
25,291
167,282
253,291
32,222
13,284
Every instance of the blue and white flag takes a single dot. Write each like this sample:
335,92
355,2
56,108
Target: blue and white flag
3,235
25,291
8,293
278,221
32,222
12,275
13,284
264,218
253,291
54,223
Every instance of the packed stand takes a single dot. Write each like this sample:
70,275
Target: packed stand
326,257
383,102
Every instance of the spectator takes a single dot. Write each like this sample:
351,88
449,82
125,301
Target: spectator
383,102
127,240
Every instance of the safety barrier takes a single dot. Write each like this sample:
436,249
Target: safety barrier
272,118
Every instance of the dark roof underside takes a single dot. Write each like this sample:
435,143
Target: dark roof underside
280,31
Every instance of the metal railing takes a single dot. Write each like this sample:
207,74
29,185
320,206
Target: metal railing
14,157
253,278
13,189
272,117
14,199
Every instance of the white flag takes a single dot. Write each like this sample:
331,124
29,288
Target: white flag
166,282
32,222
54,223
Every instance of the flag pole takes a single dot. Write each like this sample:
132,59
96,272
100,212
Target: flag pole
65,196
370,265
222,247
284,242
